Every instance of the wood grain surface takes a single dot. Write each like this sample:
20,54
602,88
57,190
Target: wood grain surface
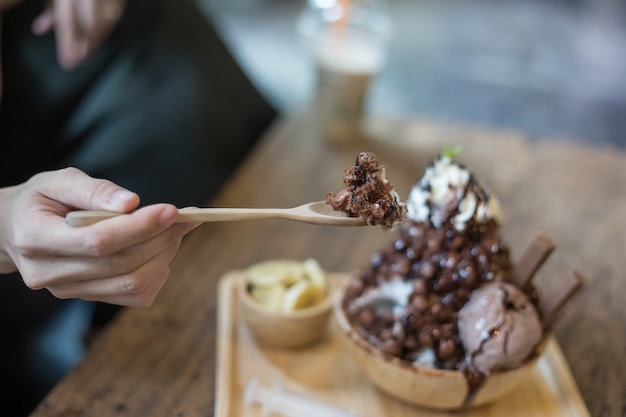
161,361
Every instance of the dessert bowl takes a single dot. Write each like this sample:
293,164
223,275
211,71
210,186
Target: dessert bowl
422,385
441,317
289,329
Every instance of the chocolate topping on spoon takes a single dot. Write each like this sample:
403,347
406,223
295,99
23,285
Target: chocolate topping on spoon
368,194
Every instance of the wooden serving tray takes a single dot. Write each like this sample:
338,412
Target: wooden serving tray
324,371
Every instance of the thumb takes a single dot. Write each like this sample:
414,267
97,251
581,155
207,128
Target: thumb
115,198
43,23
72,187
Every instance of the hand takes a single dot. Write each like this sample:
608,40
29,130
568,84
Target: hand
123,260
80,26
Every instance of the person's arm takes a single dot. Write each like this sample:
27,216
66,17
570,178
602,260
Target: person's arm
124,260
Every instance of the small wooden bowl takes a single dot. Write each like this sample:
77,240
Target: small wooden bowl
290,330
423,386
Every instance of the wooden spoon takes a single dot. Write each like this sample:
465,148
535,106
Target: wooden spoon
317,212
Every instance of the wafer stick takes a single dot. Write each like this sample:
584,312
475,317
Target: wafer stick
535,255
551,305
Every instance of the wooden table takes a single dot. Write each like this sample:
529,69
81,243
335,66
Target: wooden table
161,361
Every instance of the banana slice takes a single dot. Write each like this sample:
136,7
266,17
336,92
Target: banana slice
285,285
270,273
313,271
270,296
300,295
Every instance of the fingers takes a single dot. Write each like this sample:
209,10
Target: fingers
71,43
44,23
80,26
123,260
133,290
76,189
108,238
38,229
53,270
136,288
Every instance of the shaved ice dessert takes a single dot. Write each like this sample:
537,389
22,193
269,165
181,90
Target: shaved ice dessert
442,293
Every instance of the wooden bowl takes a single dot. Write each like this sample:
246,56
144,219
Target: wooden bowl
423,386
291,329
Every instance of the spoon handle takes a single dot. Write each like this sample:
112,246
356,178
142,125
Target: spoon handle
191,214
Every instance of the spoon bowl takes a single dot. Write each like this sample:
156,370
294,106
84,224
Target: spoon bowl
317,212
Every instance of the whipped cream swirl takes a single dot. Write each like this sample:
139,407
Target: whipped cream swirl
449,192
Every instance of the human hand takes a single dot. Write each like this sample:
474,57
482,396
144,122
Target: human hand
123,260
80,26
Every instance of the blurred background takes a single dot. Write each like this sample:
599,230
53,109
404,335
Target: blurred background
553,69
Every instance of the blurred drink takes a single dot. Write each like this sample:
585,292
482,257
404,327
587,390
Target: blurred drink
347,40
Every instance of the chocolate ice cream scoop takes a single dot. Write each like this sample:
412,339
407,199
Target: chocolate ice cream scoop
499,327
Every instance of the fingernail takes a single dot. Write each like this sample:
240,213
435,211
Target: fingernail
119,198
